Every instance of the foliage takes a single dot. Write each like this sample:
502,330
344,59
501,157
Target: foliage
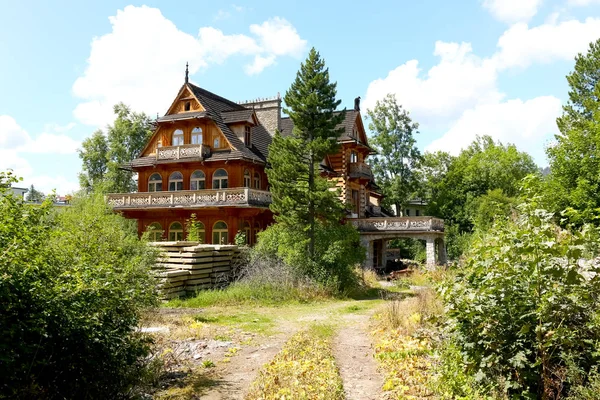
489,207
72,285
457,183
300,194
240,239
397,153
525,307
457,243
337,252
304,369
412,249
103,156
33,195
193,229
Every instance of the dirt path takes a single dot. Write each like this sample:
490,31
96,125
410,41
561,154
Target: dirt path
354,357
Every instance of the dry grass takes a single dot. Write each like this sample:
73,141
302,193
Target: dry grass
412,313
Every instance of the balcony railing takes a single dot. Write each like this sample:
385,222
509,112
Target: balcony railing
360,170
181,152
395,224
191,199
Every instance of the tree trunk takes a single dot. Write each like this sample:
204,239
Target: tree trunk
311,204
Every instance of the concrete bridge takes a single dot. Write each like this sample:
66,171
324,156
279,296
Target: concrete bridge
376,232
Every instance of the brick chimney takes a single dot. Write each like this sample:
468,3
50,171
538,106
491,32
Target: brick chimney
268,111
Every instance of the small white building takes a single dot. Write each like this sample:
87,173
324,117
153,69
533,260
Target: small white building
19,192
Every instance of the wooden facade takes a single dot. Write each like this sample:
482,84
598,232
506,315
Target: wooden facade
207,157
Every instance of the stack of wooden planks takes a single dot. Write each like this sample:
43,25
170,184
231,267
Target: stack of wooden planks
186,267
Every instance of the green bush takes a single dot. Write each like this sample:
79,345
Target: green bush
72,285
337,252
525,307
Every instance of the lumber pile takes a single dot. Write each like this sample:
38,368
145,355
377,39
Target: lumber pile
186,267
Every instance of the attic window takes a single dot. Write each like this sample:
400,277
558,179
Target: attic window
247,135
187,106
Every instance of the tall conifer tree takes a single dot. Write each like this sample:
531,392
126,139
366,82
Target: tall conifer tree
300,195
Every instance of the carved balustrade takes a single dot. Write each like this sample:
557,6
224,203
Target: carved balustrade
360,170
191,198
395,224
182,152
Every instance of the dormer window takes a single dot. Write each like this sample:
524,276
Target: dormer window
177,138
216,143
187,106
197,135
247,131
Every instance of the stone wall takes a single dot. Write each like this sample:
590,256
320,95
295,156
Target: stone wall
268,112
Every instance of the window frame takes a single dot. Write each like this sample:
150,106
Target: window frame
247,178
177,181
222,233
247,135
178,232
220,179
154,231
177,138
257,180
152,184
197,133
217,143
195,181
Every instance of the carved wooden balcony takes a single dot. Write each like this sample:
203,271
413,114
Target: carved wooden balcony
233,197
195,151
399,224
360,170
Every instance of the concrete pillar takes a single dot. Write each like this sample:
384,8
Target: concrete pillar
442,259
430,250
368,245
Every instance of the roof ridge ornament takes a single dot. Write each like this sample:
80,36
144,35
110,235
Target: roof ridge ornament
187,72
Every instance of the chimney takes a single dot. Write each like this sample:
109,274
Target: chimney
268,112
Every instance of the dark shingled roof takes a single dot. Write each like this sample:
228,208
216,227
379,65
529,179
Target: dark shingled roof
222,112
287,125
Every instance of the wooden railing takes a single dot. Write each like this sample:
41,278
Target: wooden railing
191,198
360,170
394,224
181,152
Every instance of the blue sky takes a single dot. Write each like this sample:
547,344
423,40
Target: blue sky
461,68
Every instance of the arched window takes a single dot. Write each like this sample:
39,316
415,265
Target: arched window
247,231
175,232
197,181
155,231
155,183
255,233
177,138
246,178
353,157
175,181
220,233
216,143
197,135
256,180
219,179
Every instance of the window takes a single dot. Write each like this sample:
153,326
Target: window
407,212
355,201
417,213
247,231
247,131
155,232
219,179
256,180
175,232
197,135
175,181
177,138
155,183
353,157
219,233
216,143
187,106
246,178
197,181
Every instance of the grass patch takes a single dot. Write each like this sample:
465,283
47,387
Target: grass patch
192,386
247,321
304,369
245,293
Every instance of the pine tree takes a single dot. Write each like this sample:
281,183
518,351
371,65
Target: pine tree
300,194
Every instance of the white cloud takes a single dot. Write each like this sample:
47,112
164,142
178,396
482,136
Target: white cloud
16,142
459,81
521,46
141,61
581,3
512,10
528,124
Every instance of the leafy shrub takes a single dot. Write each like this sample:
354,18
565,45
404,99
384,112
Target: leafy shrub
337,252
526,306
72,284
194,229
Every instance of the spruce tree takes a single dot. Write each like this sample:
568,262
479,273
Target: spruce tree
300,195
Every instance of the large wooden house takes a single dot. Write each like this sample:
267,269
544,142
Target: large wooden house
207,157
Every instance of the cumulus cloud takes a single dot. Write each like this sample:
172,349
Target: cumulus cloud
512,10
528,124
521,46
141,61
16,143
581,3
